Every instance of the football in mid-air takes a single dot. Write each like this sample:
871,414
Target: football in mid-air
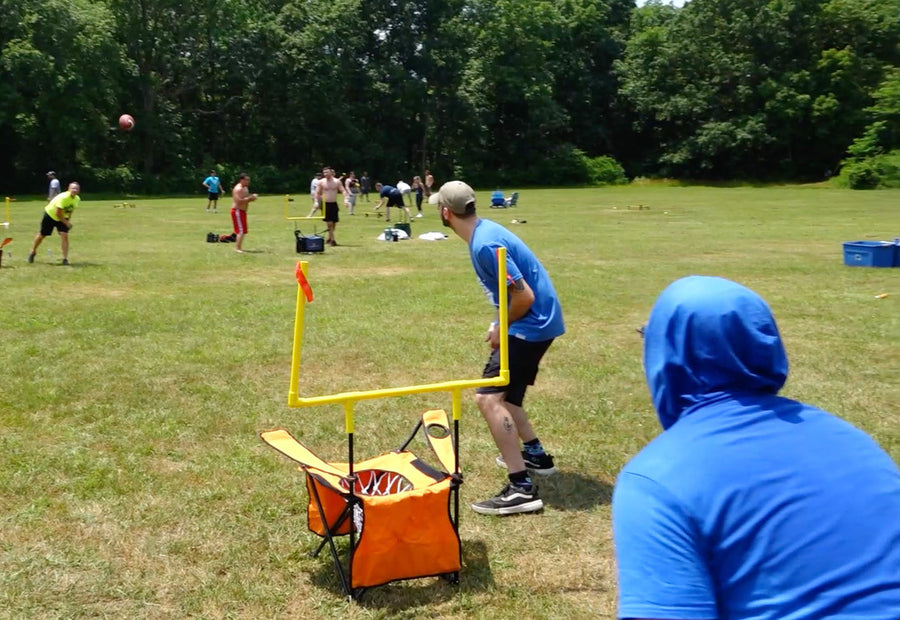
126,122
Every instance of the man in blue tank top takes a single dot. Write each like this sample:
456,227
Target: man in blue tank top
535,319
749,504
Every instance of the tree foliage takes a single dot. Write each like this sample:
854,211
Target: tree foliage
756,88
497,91
875,156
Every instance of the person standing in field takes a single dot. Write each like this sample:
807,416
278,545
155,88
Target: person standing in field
535,320
313,192
213,188
419,190
429,182
240,201
327,191
53,190
351,187
58,216
748,504
365,184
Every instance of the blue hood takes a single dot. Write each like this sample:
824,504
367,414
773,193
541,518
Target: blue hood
708,337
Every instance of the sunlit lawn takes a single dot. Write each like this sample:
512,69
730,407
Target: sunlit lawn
133,385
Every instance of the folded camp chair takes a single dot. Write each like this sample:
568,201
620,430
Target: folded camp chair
404,512
512,200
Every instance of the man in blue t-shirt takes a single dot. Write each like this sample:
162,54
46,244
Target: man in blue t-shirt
748,505
213,189
535,319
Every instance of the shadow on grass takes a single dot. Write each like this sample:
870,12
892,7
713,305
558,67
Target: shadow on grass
75,265
574,491
409,594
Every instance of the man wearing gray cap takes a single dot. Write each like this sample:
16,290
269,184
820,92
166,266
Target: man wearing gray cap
535,319
54,188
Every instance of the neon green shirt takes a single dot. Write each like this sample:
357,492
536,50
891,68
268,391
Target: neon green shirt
65,201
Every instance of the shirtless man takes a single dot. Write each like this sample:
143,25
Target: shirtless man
240,200
327,192
429,181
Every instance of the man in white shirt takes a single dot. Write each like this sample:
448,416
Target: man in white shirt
313,192
405,190
53,191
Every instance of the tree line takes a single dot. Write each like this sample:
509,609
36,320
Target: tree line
500,92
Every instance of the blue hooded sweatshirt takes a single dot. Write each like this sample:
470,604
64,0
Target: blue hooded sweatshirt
749,505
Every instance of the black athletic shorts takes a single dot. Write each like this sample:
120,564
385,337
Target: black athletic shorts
395,200
524,360
48,224
331,212
212,195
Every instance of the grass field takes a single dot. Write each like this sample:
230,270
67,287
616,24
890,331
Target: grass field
133,385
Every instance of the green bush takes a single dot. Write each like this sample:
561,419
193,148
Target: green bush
605,170
565,165
862,175
881,171
568,165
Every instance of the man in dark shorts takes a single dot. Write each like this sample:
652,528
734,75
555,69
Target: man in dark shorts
365,184
535,320
390,197
58,216
327,192
213,188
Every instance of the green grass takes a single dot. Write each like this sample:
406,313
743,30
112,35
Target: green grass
133,385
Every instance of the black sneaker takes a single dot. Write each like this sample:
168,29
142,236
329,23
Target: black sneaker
65,261
511,500
31,257
540,465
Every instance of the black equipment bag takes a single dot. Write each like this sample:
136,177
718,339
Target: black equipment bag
309,243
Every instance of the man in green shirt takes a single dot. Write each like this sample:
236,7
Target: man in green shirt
58,215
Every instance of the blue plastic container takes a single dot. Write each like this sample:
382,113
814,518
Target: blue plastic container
870,254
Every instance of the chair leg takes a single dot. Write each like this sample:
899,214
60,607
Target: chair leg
345,514
329,539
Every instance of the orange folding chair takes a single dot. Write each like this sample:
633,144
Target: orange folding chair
402,514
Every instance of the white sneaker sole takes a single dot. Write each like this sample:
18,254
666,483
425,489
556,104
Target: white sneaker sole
540,472
532,506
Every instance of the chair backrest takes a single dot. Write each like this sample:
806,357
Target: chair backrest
512,200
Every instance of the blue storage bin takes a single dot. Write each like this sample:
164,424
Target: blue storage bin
870,254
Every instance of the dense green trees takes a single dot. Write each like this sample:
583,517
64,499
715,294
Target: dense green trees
875,156
499,91
756,88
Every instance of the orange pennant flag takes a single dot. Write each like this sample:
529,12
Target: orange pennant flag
304,283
